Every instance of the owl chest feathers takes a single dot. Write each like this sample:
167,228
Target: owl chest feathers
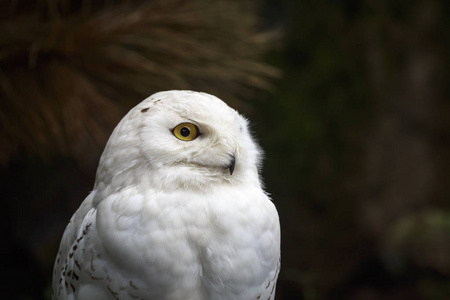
217,238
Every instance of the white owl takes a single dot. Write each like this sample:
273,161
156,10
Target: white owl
177,211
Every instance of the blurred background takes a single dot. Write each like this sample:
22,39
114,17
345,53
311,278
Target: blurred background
349,100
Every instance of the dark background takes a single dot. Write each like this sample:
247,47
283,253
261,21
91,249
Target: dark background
349,100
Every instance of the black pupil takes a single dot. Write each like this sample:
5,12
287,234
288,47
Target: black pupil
185,132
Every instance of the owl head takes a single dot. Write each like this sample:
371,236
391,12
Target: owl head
180,139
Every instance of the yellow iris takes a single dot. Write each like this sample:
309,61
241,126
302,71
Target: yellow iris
185,131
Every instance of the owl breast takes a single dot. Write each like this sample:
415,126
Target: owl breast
224,242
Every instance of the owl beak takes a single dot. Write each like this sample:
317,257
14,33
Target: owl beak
232,164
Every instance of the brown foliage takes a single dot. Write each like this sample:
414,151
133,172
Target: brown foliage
69,69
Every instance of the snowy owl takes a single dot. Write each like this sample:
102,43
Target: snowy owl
177,210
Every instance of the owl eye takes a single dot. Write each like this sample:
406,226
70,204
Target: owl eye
185,131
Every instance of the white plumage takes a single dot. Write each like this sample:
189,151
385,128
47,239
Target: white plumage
177,210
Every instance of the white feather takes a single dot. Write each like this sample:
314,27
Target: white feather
166,219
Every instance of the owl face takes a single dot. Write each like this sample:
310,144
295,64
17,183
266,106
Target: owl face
187,139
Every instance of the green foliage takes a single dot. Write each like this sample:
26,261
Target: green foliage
347,72
322,101
424,239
